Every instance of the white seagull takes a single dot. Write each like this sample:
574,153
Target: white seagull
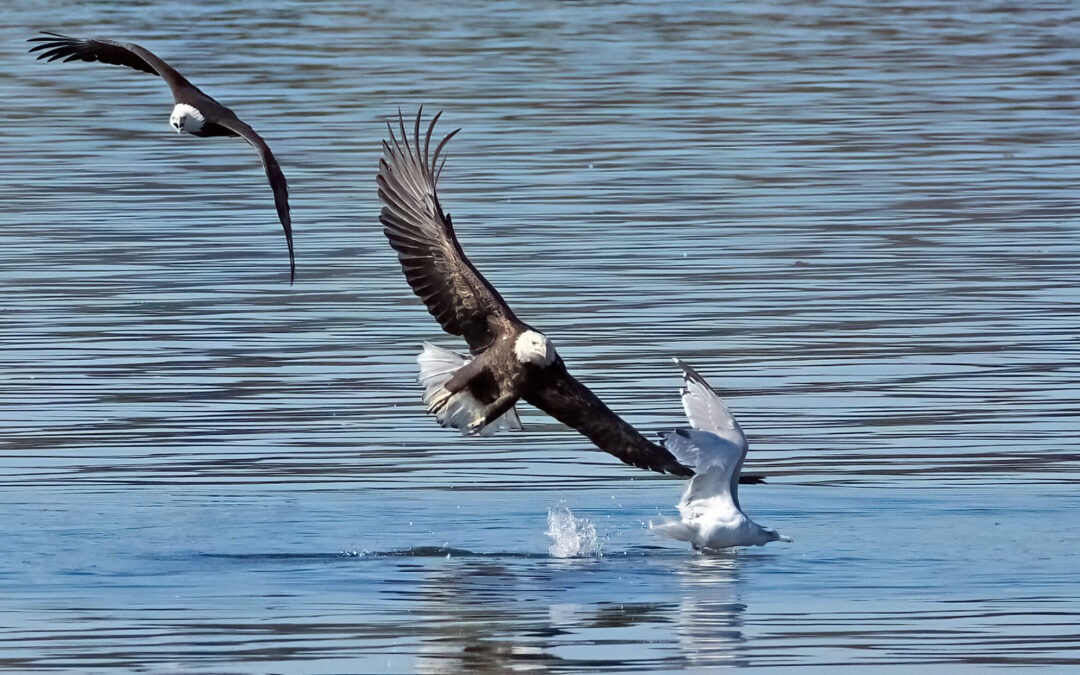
715,448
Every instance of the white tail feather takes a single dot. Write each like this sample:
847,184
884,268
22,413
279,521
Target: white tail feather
460,410
676,529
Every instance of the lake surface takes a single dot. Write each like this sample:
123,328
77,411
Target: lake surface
860,223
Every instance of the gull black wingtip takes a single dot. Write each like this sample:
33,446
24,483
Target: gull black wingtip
689,374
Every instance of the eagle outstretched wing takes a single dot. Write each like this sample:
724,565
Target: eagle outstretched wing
455,292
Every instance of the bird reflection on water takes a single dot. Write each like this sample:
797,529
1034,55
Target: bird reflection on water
489,616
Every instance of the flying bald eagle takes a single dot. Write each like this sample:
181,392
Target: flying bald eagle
509,360
194,112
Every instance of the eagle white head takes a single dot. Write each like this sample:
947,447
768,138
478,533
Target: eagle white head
186,118
535,348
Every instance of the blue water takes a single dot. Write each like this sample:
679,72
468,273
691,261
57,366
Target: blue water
860,223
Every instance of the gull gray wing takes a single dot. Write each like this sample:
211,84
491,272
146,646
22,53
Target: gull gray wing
716,462
573,404
455,293
706,410
274,175
708,414
100,50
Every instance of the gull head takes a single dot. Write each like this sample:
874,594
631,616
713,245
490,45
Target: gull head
768,535
533,347
186,118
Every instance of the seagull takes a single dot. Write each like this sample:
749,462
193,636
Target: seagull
509,360
715,447
194,112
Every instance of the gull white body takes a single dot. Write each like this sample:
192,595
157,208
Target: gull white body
715,447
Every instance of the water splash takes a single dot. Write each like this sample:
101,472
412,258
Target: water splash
571,537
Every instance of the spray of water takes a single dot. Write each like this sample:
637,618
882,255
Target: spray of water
571,537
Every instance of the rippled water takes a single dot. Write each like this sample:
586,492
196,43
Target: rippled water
860,223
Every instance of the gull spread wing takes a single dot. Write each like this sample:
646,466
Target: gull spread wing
454,291
705,410
716,464
711,418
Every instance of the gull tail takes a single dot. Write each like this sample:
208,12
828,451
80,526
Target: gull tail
676,529
460,410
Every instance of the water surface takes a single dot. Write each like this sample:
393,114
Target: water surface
859,224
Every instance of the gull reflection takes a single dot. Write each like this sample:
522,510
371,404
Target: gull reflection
478,624
710,615
619,612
